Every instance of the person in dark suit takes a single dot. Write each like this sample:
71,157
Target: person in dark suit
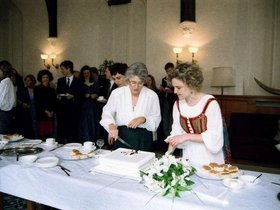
167,100
69,98
106,86
101,81
111,85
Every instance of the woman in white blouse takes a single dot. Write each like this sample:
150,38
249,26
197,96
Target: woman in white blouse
132,112
7,97
197,121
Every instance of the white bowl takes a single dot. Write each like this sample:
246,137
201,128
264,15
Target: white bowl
233,183
71,146
27,159
248,179
47,162
277,147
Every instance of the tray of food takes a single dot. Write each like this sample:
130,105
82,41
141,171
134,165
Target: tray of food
20,151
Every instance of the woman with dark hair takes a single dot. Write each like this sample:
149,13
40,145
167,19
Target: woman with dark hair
151,83
25,110
7,97
44,98
132,111
89,126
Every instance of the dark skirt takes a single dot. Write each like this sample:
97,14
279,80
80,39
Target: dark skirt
139,138
45,128
6,122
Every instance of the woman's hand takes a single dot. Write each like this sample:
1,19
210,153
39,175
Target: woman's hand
87,95
110,140
49,114
178,139
113,132
170,150
25,105
136,122
69,96
93,96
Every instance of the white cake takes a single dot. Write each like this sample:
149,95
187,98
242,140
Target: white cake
125,162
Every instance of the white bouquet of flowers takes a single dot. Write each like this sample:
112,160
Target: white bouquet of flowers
169,175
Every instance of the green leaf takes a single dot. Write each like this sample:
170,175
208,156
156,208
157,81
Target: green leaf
142,173
182,188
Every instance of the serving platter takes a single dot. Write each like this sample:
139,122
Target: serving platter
30,142
66,154
203,174
20,151
11,137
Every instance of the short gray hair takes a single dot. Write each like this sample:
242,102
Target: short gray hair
137,69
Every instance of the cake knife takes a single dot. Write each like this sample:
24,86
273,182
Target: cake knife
124,142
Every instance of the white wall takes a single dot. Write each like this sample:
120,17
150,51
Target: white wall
243,34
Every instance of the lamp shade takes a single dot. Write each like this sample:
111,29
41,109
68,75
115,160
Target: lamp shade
193,49
44,56
223,77
177,49
52,56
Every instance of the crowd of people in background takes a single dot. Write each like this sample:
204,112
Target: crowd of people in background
131,107
68,110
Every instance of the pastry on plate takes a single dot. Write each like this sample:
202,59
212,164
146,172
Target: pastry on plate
9,137
222,171
76,154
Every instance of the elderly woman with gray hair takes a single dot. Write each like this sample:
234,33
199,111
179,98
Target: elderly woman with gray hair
132,111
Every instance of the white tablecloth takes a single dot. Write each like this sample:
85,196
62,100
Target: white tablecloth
87,191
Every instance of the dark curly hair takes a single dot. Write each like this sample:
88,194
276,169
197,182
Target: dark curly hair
44,72
190,74
6,68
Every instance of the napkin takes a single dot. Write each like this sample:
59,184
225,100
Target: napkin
211,193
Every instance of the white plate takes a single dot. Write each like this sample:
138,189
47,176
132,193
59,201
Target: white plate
66,154
47,162
233,183
49,146
203,174
71,146
12,138
102,100
2,144
247,179
27,159
63,95
30,142
83,150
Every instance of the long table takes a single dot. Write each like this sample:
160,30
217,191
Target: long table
84,190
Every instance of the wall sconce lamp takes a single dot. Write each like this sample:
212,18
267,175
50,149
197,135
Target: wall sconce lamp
44,57
223,77
53,56
177,51
193,50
